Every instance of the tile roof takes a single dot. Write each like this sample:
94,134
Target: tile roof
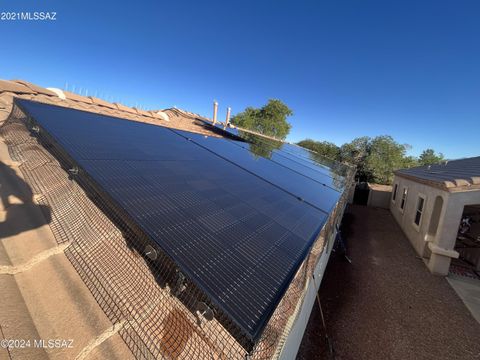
35,88
454,175
11,86
172,118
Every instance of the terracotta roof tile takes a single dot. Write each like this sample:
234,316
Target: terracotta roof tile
47,99
35,88
5,101
10,86
142,112
83,106
172,118
101,102
125,108
76,97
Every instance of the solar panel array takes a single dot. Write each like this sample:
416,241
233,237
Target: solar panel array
236,223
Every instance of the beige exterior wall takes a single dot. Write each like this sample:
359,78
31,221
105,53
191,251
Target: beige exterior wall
405,218
379,196
437,246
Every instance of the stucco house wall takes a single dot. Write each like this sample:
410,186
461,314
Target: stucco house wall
437,245
379,196
416,234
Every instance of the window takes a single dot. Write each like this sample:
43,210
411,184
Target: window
394,194
419,211
404,198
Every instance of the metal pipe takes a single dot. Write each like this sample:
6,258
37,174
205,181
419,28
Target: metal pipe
215,110
227,120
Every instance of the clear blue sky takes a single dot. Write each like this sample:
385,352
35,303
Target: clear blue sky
407,68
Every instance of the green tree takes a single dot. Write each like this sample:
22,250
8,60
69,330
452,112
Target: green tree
375,159
328,154
385,155
271,119
323,148
261,147
429,157
355,153
409,161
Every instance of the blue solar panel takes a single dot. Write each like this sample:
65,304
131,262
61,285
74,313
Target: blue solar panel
317,189
236,223
295,157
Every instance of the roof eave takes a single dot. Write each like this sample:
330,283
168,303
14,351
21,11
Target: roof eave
459,185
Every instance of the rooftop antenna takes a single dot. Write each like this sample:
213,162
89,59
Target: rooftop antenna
215,110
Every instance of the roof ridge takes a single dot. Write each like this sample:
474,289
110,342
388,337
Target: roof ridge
55,96
25,87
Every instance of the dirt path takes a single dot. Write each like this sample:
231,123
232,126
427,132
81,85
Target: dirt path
386,305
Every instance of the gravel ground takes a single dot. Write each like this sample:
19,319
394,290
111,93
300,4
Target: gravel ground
386,305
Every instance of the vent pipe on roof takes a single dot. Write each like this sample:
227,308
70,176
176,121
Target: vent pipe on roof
227,120
215,109
58,92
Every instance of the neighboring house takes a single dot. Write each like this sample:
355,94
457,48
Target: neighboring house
429,203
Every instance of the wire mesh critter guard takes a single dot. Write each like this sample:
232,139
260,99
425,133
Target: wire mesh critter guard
164,312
